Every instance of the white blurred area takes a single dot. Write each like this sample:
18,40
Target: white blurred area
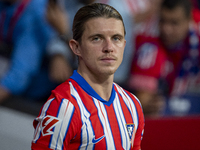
16,129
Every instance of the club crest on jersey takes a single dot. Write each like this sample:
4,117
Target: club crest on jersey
48,123
130,129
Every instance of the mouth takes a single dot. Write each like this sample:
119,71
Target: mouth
108,59
165,37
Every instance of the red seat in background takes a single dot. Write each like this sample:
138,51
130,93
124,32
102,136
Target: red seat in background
172,133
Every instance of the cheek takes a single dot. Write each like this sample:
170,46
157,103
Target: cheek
181,31
120,54
89,56
86,51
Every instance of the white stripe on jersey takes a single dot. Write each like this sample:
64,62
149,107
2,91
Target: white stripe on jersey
39,119
57,138
130,104
87,128
105,123
122,123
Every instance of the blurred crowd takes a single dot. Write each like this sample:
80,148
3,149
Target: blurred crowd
161,64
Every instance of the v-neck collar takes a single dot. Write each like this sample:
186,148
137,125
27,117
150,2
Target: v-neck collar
88,89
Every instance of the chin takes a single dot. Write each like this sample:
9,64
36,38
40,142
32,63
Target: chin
108,71
166,43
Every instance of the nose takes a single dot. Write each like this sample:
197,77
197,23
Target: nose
166,29
108,46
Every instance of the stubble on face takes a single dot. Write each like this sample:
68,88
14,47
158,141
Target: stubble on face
102,46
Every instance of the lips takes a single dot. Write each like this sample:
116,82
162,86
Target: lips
108,58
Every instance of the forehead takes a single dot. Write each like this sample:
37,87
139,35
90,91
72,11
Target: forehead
175,13
102,24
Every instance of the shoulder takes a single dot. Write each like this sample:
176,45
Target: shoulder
61,100
135,100
128,97
63,91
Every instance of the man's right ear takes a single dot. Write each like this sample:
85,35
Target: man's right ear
75,47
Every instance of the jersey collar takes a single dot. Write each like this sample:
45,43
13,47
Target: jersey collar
88,89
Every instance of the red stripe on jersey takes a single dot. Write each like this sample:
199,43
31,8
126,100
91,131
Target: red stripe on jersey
114,125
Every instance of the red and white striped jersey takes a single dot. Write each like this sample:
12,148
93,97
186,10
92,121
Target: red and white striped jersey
76,117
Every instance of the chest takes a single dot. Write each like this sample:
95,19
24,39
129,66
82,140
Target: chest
103,126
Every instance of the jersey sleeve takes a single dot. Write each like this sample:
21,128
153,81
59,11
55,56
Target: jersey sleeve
56,125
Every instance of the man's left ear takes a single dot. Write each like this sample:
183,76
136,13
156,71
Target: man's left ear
75,47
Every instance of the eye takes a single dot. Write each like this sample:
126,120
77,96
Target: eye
116,38
96,38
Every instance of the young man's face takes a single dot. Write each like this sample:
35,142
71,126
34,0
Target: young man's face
174,25
102,46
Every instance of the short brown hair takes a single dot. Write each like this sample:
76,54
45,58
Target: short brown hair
172,4
90,11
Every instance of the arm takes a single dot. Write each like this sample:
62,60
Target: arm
4,94
25,60
58,18
29,43
60,115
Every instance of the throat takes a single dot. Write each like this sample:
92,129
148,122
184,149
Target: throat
104,92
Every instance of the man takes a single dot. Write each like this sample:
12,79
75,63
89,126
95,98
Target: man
24,34
89,111
168,65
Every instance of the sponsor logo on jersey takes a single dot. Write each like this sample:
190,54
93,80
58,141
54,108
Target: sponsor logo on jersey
130,129
48,123
94,141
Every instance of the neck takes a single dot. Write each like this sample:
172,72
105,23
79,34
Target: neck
101,84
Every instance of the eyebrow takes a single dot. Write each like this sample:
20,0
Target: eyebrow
93,35
120,35
101,35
